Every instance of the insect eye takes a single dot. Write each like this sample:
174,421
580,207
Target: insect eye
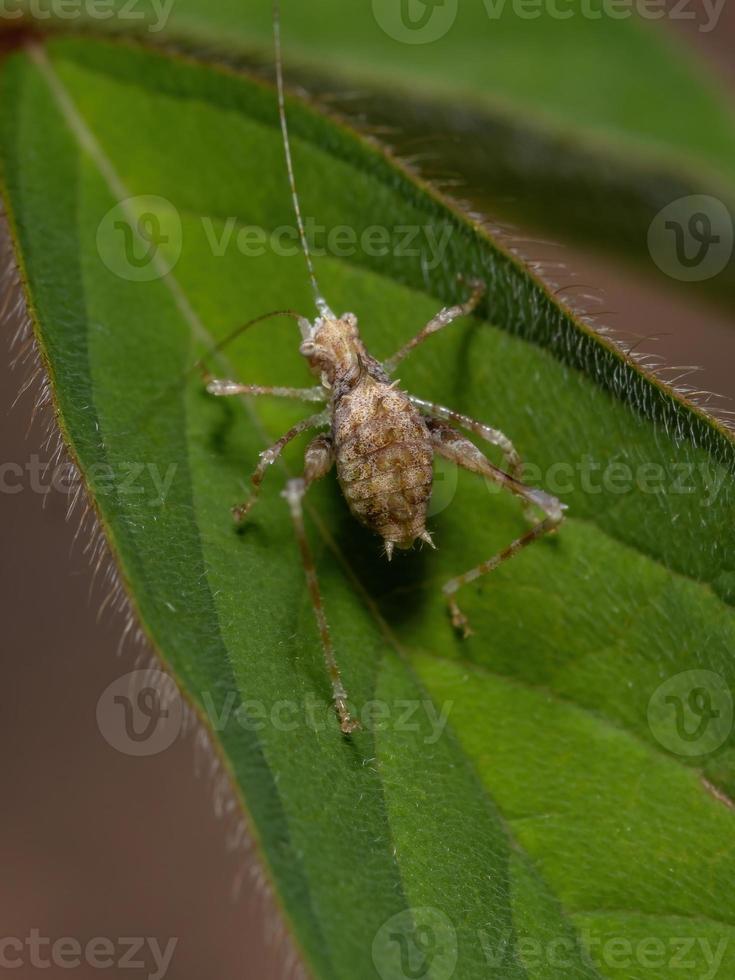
307,348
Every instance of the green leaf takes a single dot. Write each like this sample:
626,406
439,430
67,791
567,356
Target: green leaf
587,73
515,800
547,111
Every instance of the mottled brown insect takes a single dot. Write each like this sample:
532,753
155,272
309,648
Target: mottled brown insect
382,440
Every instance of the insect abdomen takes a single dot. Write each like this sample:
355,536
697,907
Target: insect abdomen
384,460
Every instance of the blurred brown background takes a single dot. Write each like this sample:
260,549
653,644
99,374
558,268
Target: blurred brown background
97,843
94,842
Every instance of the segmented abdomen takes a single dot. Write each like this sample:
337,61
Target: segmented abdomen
384,460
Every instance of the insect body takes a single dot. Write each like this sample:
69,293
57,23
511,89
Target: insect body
381,443
382,439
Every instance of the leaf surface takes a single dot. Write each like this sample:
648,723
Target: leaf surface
516,785
584,118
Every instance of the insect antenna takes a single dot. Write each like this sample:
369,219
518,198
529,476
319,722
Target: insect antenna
199,365
321,304
234,334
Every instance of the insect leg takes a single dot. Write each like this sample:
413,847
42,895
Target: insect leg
318,461
224,388
270,455
452,445
443,318
511,458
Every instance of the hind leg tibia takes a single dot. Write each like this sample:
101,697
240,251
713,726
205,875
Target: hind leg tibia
454,446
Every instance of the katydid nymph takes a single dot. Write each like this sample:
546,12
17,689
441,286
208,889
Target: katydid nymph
381,439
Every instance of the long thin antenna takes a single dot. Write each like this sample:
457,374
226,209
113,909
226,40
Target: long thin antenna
234,334
321,304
